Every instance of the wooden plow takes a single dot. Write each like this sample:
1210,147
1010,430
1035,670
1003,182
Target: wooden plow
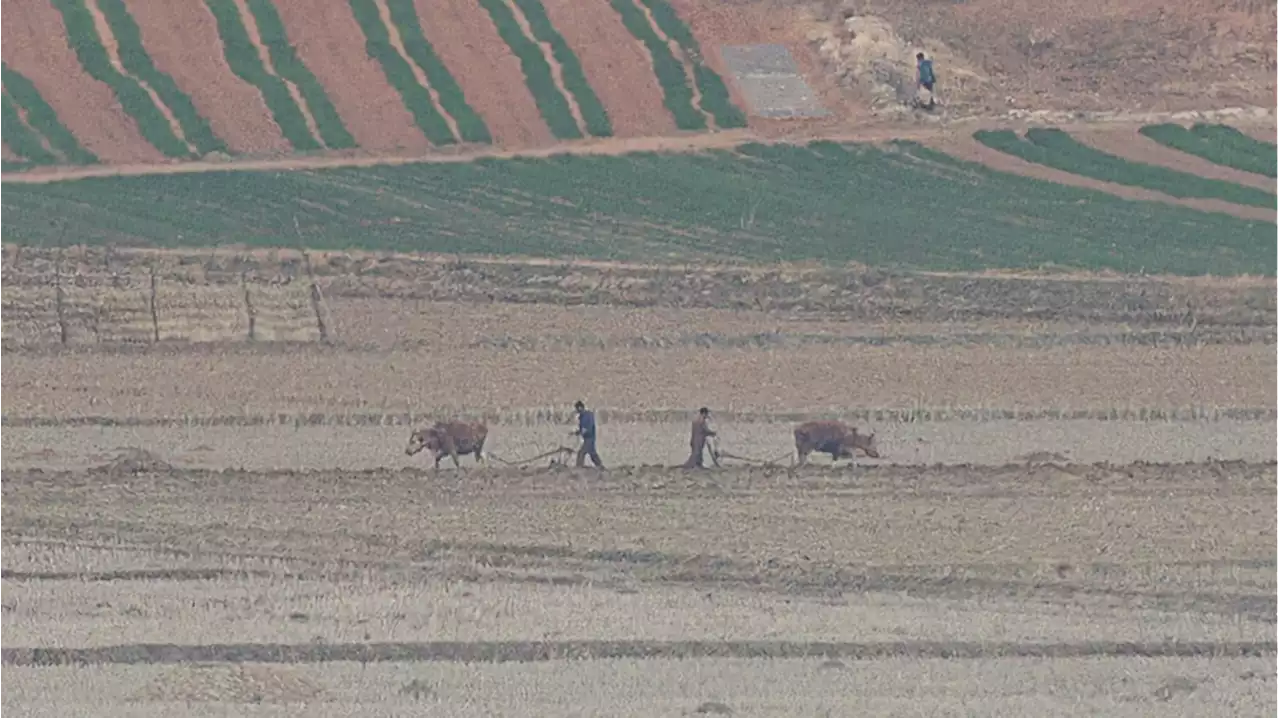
558,454
717,453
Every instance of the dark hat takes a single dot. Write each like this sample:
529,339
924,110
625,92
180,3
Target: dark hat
579,405
704,410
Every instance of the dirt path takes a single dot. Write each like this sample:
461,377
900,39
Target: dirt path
557,72
182,40
255,36
44,141
963,146
8,154
419,74
617,66
466,41
678,52
113,52
330,43
35,44
1139,148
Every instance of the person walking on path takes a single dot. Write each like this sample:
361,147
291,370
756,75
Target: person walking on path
924,75
701,431
586,430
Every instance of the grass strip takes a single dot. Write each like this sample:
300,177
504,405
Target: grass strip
134,57
43,119
416,98
242,56
1055,148
715,95
22,139
537,72
333,133
82,35
575,81
470,125
676,94
1256,157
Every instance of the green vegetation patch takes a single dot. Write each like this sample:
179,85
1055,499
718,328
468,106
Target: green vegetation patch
676,94
135,59
416,97
470,126
897,206
286,62
575,81
537,72
42,119
1218,144
1055,148
242,57
715,95
82,35
20,138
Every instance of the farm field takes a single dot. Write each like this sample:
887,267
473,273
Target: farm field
1077,476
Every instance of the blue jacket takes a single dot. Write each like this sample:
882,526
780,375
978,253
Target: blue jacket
587,424
925,68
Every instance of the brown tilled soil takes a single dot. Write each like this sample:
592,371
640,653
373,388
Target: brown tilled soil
35,44
463,35
617,65
330,43
183,43
1137,148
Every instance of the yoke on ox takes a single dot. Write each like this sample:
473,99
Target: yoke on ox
832,437
450,438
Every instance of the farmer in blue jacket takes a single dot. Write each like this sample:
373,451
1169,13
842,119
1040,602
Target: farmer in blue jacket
924,75
587,430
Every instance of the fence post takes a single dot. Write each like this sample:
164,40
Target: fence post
58,298
317,299
155,314
248,307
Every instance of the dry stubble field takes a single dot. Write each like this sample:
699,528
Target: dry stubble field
1074,513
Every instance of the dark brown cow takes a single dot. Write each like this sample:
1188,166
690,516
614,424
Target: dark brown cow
450,438
833,437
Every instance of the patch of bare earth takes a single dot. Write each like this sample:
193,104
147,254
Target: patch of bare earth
1138,148
617,66
329,41
8,154
108,38
557,71
182,40
35,44
464,37
22,116
264,56
966,148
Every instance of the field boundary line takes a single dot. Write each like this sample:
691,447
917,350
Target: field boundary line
557,71
531,651
250,22
419,73
546,416
25,131
686,63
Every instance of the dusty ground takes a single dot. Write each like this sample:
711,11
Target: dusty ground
1073,511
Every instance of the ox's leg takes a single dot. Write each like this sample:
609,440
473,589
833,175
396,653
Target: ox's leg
480,457
439,456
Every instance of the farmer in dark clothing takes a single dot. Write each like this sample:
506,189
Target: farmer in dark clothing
587,430
924,73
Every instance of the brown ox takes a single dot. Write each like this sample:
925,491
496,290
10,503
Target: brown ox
835,438
450,438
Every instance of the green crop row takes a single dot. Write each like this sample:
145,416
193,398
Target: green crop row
575,81
242,57
416,97
715,95
332,132
42,118
898,206
676,94
82,35
470,125
1055,148
1218,144
537,72
135,59
22,139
